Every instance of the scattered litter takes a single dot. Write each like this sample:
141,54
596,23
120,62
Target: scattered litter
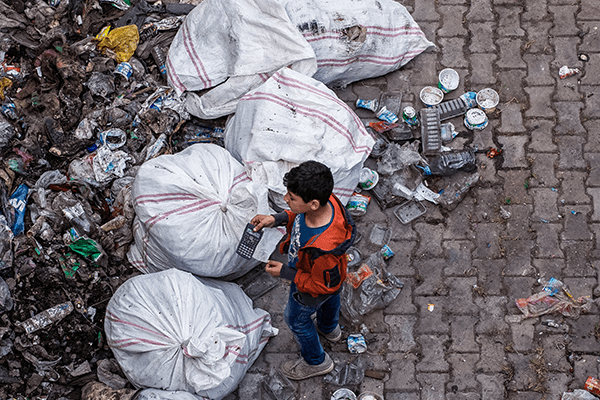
565,71
343,394
356,343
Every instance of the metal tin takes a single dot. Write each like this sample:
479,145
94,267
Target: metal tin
343,394
368,178
448,80
124,69
356,343
476,119
592,385
386,115
487,99
386,252
409,115
357,205
431,96
368,104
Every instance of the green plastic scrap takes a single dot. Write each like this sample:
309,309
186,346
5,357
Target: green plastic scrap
87,248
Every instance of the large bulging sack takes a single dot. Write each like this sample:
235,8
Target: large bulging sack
191,209
357,39
232,45
292,118
171,331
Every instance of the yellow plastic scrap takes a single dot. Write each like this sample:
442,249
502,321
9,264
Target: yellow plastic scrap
123,41
4,83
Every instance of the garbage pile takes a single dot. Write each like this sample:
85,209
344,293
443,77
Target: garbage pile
96,97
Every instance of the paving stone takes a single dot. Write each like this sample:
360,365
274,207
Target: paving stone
463,396
590,96
481,73
311,389
544,205
432,350
487,169
458,255
483,139
463,335
400,264
565,51
481,40
511,92
518,395
518,288
430,244
541,135
402,376
250,387
480,11
492,386
487,205
424,71
576,256
547,243
542,169
463,372
431,322
536,10
453,55
433,385
572,190
522,335
458,221
372,385
460,299
548,268
425,11
510,53
524,377
590,42
431,273
582,330
513,151
487,241
584,366
554,353
593,138
558,382
509,23
490,275
403,303
452,21
399,81
575,224
590,9
567,89
537,36
595,193
403,396
564,20
491,314
514,186
571,152
538,102
401,332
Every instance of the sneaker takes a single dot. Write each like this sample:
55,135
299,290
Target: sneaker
333,336
299,369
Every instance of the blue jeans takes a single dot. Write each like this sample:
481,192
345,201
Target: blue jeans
297,317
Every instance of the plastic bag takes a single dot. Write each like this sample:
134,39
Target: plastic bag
234,44
18,201
398,157
292,118
171,331
123,41
578,394
374,289
191,210
555,297
355,40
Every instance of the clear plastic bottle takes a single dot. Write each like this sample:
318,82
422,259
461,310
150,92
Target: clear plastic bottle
160,58
448,163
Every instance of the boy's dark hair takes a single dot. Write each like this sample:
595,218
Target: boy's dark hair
310,180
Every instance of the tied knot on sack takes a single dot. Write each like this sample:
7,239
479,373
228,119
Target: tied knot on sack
223,207
218,349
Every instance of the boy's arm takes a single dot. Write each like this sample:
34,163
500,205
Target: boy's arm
268,221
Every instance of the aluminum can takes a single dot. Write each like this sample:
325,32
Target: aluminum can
592,385
368,104
386,115
124,69
386,252
356,343
409,115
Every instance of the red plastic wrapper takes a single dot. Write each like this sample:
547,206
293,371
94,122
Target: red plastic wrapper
382,126
592,385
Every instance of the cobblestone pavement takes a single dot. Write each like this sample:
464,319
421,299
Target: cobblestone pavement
469,262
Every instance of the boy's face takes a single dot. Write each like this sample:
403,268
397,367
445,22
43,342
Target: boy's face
297,205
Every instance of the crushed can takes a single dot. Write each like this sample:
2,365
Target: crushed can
356,343
448,80
124,69
368,104
409,115
386,115
476,119
592,385
357,205
386,252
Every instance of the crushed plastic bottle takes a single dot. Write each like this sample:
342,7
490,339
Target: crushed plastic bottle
46,317
448,163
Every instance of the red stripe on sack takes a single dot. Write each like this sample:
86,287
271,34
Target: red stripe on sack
291,82
150,223
114,318
371,30
191,210
174,198
242,327
144,196
134,342
366,59
324,117
174,77
196,61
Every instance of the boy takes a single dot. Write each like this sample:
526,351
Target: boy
319,233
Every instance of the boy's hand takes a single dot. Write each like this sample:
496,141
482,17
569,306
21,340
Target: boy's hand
262,221
273,268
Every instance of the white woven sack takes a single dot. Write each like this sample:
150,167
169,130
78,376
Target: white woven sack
191,209
357,39
171,331
234,44
292,118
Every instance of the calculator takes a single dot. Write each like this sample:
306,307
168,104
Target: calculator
249,241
